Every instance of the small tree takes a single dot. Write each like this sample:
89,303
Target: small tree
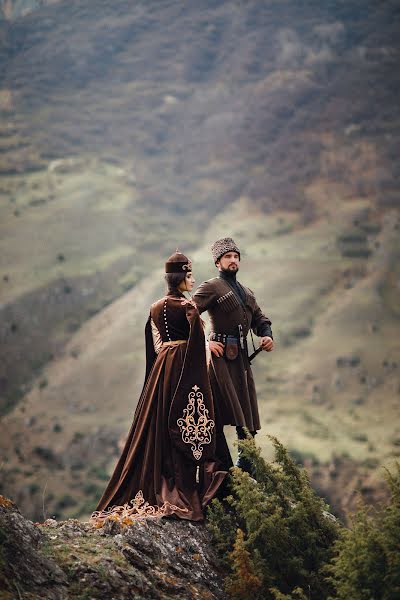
367,561
245,582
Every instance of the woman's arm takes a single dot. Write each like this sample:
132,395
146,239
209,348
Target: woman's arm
157,341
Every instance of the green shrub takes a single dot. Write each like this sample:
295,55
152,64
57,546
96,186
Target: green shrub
353,243
367,561
352,237
245,582
92,489
359,437
370,228
301,457
78,436
286,534
45,453
100,472
66,501
356,251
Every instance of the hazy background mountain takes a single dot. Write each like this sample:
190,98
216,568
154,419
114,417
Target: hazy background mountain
130,128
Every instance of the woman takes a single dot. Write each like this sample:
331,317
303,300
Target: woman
169,464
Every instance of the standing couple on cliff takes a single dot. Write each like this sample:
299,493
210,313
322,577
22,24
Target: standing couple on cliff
176,457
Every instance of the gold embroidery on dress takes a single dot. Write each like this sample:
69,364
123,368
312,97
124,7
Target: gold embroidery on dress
132,511
196,433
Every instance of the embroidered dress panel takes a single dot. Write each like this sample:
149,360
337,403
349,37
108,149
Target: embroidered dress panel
197,428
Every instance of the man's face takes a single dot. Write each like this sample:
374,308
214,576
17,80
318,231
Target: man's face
229,262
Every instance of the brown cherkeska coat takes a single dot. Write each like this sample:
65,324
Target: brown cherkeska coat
170,454
232,382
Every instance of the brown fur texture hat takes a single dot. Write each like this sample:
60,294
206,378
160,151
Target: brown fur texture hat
222,246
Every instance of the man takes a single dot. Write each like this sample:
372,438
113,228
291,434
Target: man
233,311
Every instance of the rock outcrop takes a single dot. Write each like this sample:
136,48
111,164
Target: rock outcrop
23,565
153,558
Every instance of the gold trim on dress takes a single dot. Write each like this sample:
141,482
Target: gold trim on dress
174,342
134,510
197,433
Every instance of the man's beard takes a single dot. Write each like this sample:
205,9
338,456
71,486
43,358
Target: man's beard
230,269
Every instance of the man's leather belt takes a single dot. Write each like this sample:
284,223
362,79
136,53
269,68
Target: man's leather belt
222,337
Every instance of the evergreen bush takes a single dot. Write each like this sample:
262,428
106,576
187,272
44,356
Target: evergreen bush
367,561
272,531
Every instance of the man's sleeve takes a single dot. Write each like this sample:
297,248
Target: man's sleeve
260,324
205,296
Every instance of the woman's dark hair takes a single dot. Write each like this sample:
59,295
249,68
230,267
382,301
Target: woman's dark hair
173,280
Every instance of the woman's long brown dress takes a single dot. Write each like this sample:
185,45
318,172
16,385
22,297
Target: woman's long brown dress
174,459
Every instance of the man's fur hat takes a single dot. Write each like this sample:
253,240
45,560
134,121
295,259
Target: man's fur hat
222,246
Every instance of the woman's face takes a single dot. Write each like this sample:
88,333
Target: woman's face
187,284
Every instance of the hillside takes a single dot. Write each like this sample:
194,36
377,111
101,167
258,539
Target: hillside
128,130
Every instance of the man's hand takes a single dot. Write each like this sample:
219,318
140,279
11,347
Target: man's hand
267,343
217,348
